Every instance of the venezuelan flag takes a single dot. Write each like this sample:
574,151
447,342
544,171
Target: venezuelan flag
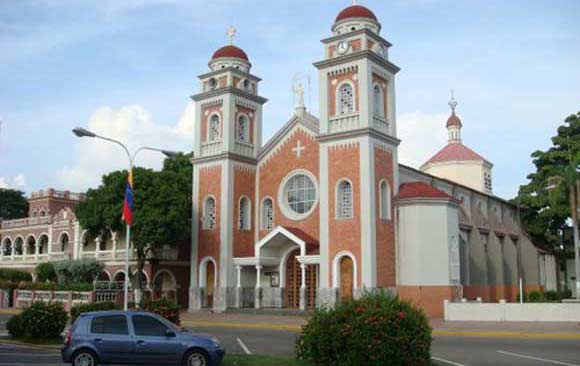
128,202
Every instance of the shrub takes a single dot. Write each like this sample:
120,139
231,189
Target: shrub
535,296
45,272
41,321
551,296
14,275
75,271
76,310
378,329
165,308
567,294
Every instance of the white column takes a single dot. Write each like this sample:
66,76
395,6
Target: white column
303,268
239,270
2,252
97,247
258,276
36,249
114,239
50,233
77,247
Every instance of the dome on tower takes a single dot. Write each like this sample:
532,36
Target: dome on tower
230,51
356,11
453,120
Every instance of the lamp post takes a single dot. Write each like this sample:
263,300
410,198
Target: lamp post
81,132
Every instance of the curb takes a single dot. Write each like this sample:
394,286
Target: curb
481,334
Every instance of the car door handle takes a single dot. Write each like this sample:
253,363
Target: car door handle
140,341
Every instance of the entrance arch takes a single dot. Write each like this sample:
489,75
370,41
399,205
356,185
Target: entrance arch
345,275
208,279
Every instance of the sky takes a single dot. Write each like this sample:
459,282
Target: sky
126,69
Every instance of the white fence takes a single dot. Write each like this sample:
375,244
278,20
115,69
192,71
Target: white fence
512,312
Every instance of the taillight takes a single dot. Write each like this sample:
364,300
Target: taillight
68,339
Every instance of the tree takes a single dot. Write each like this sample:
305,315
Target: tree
161,210
13,204
546,200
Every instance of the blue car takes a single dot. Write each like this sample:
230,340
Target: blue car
134,337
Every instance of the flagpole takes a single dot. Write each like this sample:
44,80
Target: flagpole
127,248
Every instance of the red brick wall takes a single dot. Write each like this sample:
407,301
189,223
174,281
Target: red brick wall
244,185
344,234
209,240
385,229
273,171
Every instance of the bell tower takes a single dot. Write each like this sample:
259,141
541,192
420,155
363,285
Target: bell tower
358,144
227,135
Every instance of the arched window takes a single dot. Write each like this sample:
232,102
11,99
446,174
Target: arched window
243,129
7,247
64,239
214,128
244,214
385,200
267,214
378,101
209,221
345,99
344,200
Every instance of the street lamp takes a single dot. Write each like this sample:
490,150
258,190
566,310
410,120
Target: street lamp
82,132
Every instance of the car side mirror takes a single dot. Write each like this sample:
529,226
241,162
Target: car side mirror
169,333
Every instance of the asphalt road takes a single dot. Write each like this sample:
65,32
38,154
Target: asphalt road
446,350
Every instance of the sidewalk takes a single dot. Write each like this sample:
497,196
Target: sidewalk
440,328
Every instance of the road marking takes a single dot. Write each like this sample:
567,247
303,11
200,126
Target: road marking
537,359
244,346
447,361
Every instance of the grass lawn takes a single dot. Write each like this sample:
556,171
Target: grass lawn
256,360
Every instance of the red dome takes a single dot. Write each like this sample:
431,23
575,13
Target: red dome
355,11
453,120
229,52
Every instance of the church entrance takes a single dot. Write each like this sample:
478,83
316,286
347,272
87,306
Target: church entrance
346,278
210,283
294,281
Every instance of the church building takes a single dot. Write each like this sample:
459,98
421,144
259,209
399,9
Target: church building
324,210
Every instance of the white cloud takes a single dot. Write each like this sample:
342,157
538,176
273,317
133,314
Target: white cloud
422,135
16,182
133,126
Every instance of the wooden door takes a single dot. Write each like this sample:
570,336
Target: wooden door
293,280
210,282
346,278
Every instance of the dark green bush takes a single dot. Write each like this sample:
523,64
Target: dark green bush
45,272
78,270
551,296
378,329
76,310
535,296
567,294
165,308
14,275
41,321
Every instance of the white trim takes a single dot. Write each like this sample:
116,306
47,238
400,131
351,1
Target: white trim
203,272
336,268
283,204
389,201
283,231
336,199
323,279
282,268
107,273
173,278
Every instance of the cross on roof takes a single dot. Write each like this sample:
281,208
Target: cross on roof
298,149
453,102
231,33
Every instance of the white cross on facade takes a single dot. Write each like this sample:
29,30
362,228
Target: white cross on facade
298,149
231,33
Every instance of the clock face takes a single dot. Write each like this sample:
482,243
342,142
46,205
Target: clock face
342,48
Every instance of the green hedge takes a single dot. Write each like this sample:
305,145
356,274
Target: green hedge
75,311
165,308
14,275
41,321
378,329
45,272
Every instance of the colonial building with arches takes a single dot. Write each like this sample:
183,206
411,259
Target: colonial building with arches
324,210
52,233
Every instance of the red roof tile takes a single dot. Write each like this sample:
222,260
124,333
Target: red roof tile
420,189
355,11
230,51
455,151
302,235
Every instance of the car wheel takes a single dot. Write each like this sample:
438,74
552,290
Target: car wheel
196,358
84,358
